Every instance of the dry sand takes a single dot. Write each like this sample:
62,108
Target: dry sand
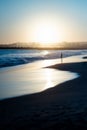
63,107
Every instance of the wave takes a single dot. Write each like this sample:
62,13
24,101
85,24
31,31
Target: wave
11,57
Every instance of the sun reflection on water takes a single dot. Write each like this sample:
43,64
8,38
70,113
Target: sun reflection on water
48,74
45,52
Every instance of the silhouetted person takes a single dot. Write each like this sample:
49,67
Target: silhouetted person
61,57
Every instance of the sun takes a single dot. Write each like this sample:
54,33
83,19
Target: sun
46,32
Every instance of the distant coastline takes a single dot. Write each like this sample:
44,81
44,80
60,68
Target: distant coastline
43,48
49,46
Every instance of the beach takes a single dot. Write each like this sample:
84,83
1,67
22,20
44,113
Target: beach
43,65
63,107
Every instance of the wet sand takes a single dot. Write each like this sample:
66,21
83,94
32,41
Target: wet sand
63,107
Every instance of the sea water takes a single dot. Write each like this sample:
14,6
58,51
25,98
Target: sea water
31,78
12,57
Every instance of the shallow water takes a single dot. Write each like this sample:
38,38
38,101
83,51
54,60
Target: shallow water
33,78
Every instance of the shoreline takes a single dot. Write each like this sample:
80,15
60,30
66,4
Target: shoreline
22,80
17,60
60,107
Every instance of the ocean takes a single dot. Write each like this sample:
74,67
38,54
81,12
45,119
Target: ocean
12,57
24,71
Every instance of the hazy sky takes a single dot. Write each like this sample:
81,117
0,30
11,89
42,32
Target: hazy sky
19,17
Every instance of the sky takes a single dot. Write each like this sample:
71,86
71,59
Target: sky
20,20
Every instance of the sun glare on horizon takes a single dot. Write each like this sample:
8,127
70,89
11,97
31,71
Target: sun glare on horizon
45,33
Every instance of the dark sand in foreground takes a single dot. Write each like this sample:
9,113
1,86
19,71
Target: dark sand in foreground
63,107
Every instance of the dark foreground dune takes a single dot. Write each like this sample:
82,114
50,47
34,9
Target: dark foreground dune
63,107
